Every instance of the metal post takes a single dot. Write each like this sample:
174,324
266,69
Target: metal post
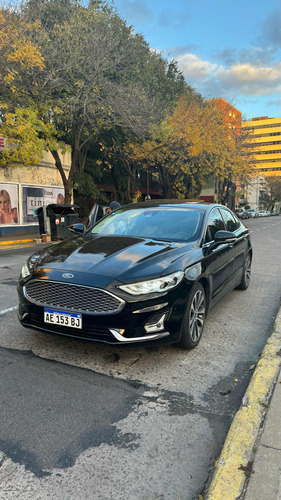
47,225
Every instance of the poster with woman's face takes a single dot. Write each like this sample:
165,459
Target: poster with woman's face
9,204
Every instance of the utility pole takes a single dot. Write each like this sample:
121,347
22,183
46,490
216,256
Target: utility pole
257,192
148,197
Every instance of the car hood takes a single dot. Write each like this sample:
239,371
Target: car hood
118,257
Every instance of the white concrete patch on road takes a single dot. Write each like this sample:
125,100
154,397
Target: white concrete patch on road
138,467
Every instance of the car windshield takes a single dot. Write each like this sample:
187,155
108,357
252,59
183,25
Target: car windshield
171,223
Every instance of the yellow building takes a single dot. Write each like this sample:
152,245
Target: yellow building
265,137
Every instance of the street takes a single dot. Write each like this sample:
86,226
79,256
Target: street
97,422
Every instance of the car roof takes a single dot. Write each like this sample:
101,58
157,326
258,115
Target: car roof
168,203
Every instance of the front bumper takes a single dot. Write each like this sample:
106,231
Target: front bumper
135,323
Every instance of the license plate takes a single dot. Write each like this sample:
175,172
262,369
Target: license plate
72,320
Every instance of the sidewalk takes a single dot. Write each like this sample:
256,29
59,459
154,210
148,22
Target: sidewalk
249,467
265,480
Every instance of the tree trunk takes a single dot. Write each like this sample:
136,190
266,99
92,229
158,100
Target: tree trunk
129,187
67,182
165,181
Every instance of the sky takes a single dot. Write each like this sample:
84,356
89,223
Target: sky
224,48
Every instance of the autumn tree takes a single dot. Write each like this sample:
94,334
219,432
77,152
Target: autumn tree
272,194
190,144
118,154
21,124
88,78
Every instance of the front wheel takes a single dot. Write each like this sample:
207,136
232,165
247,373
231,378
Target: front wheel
194,318
246,274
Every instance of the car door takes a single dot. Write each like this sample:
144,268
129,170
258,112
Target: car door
97,212
240,245
218,260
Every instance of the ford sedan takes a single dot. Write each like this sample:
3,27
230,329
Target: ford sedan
147,273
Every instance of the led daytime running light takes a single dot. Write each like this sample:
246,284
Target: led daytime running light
154,286
25,271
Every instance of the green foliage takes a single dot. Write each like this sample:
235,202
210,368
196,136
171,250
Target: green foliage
81,72
86,190
84,185
28,137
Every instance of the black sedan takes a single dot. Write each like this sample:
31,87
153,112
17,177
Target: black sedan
149,272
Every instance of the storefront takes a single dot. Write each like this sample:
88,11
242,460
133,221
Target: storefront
18,205
23,189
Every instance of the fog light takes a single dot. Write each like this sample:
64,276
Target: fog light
157,325
120,330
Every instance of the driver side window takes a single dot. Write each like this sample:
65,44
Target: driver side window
215,224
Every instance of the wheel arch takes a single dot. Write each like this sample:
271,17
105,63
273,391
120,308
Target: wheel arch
206,285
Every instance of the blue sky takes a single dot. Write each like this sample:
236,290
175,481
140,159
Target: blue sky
225,48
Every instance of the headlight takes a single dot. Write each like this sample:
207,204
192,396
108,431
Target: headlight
153,286
26,268
25,271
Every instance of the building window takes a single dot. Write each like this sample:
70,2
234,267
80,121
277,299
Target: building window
270,125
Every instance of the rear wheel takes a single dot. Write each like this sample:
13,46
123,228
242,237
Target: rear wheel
246,274
194,318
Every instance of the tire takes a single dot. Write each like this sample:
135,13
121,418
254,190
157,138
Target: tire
194,318
246,274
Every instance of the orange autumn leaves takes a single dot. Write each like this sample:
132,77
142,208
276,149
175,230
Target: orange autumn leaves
190,144
17,51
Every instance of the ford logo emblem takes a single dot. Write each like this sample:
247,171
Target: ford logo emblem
68,275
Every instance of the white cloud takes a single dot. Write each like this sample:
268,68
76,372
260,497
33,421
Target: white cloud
251,80
243,78
195,68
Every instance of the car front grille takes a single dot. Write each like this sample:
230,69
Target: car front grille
72,297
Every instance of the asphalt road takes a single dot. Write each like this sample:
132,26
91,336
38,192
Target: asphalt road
97,422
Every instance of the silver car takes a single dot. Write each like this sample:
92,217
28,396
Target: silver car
264,213
253,213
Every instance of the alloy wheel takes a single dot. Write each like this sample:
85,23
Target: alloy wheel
197,315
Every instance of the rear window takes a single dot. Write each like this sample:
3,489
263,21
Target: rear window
171,223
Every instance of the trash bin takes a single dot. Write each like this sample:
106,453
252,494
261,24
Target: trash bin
39,213
61,216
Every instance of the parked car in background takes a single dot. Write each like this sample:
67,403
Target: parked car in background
253,214
148,272
264,213
274,212
242,213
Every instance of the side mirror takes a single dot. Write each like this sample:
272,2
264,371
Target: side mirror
224,236
76,228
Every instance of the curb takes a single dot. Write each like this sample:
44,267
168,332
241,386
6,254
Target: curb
229,478
15,242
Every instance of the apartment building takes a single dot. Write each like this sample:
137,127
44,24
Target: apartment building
265,137
232,117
